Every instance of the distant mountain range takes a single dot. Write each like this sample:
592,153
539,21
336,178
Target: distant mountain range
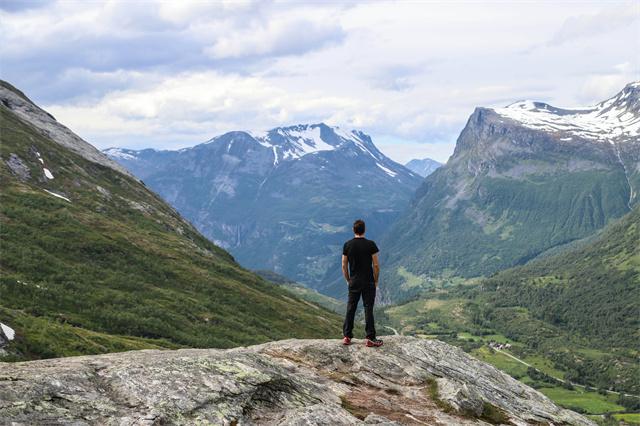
523,179
284,199
423,167
93,261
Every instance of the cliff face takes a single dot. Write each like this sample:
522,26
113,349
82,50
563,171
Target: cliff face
407,381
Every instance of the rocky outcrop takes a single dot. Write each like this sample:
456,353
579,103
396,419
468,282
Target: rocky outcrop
45,123
291,382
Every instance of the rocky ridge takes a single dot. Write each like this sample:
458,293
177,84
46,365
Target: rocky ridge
407,381
45,123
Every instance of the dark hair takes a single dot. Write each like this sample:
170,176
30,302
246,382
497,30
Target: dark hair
358,227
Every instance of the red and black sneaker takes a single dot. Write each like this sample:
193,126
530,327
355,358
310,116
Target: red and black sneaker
373,343
346,341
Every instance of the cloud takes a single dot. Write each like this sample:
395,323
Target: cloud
172,74
288,36
598,87
197,105
397,77
610,18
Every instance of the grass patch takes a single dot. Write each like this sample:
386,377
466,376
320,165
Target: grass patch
494,415
490,413
501,361
357,412
586,402
632,418
432,390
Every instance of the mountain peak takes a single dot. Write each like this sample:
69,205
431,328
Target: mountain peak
296,141
424,166
615,119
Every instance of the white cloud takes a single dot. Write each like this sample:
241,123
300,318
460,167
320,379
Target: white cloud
409,73
612,18
291,34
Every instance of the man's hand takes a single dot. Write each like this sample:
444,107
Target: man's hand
376,269
345,268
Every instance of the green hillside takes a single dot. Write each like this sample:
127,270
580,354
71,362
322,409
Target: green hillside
575,315
113,267
303,292
593,291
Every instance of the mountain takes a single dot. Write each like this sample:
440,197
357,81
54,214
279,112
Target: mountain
522,180
423,167
282,200
294,382
92,261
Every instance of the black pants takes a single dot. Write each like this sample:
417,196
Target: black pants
368,292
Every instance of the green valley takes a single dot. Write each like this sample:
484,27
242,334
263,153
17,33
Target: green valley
570,321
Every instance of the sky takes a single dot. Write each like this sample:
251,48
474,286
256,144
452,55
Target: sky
167,75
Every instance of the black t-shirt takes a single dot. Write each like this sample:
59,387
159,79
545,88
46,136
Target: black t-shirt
359,252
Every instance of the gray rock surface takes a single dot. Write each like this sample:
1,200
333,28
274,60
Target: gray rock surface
18,167
291,382
20,105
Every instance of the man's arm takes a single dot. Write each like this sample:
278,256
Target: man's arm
376,268
345,268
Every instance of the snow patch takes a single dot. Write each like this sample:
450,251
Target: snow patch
47,173
8,331
606,121
304,141
119,153
386,170
57,195
353,136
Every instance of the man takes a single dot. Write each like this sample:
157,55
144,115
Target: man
361,269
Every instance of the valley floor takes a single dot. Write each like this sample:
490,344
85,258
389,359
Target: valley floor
447,320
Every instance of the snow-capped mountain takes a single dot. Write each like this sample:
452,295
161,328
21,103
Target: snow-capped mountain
615,119
424,167
282,199
523,179
293,143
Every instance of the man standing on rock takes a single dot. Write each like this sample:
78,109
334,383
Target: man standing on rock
361,269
